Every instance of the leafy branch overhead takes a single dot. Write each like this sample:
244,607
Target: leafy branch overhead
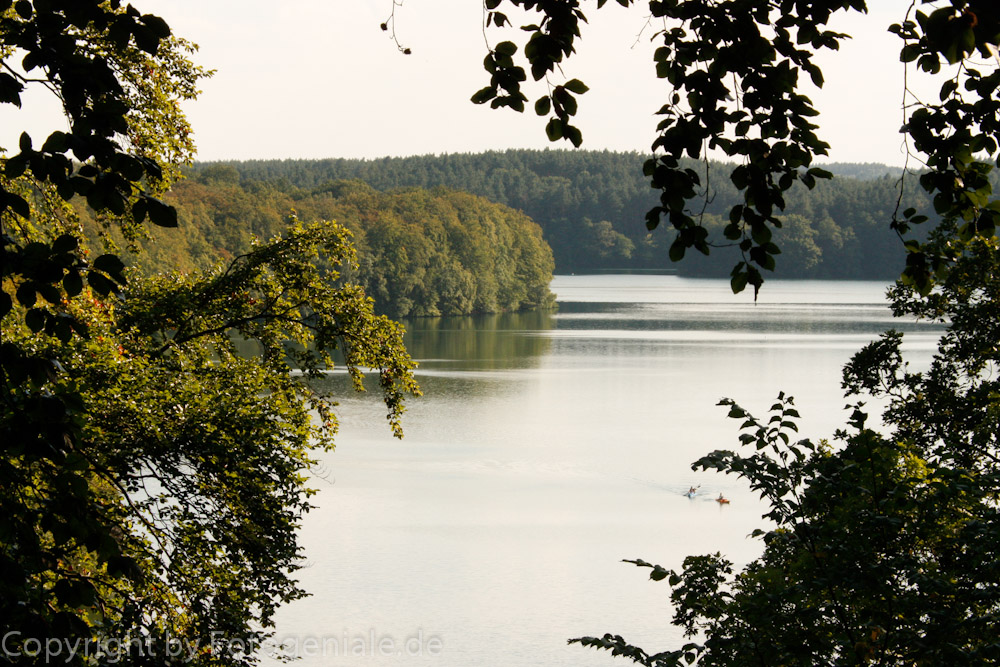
734,71
551,41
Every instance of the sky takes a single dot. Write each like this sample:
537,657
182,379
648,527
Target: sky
319,79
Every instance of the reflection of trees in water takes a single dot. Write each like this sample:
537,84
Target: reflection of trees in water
479,342
467,346
461,355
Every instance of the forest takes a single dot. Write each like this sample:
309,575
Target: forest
420,252
591,205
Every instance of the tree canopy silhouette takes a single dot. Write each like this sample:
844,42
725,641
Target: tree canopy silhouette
733,69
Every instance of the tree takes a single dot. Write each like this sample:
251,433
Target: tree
152,475
881,548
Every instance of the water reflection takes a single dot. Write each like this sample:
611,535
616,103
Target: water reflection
463,357
482,342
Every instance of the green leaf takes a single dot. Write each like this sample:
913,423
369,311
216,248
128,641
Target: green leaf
72,283
909,53
15,166
160,213
816,74
26,294
34,319
50,293
506,48
568,102
816,172
484,95
145,39
101,283
75,593
543,105
738,282
554,129
760,233
56,143
19,205
111,265
739,177
65,243
139,210
576,86
63,329
574,134
156,25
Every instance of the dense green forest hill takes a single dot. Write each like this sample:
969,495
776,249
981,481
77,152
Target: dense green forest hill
591,206
420,252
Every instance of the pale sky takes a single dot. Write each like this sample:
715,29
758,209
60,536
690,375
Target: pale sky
319,79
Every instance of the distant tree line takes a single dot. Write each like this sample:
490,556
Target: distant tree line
591,206
420,252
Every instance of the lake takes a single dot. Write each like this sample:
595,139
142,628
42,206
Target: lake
547,448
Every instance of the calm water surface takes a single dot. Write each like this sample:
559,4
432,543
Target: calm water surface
548,447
